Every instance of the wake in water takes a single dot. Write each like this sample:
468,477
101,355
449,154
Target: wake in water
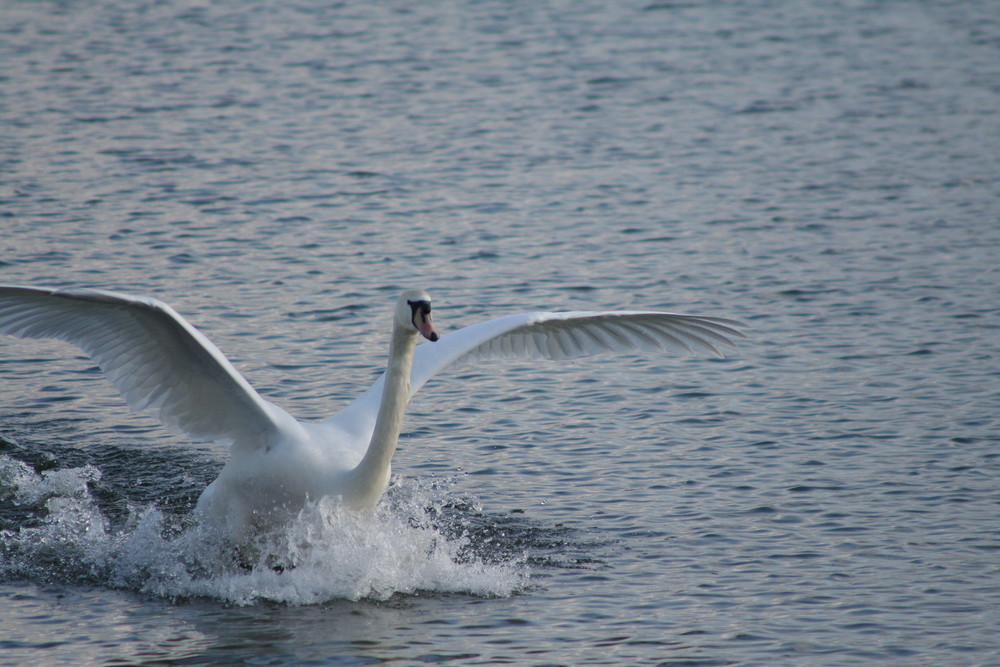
54,530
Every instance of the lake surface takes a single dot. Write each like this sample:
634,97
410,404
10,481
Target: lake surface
826,172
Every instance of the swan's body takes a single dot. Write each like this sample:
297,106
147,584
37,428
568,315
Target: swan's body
157,360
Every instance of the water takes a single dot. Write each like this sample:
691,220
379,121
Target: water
826,172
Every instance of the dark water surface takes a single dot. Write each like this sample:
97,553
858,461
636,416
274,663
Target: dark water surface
826,172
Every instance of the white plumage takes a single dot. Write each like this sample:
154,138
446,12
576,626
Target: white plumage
158,361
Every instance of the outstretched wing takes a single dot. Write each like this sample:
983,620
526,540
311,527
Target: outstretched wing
152,355
572,334
552,336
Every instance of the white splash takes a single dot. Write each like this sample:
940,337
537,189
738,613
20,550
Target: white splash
325,554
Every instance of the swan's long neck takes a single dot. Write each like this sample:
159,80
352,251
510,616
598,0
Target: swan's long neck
372,474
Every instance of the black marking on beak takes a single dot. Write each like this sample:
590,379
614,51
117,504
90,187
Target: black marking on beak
420,317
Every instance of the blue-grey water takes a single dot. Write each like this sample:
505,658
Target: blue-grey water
826,172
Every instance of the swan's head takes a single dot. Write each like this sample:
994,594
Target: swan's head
413,312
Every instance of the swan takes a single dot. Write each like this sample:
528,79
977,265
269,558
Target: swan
159,361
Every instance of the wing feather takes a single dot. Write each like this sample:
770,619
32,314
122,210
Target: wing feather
152,355
554,336
573,334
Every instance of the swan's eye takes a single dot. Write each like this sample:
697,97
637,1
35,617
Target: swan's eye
421,308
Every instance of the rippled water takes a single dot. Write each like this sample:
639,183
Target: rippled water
825,172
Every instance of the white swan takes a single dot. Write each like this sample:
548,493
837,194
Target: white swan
157,360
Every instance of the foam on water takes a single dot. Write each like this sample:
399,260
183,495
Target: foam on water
325,554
